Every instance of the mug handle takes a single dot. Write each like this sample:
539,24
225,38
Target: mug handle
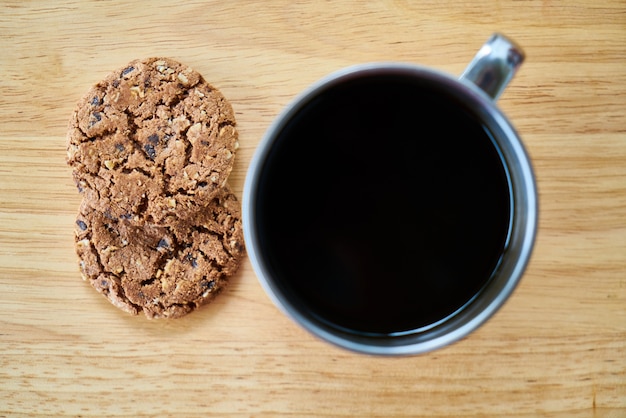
494,65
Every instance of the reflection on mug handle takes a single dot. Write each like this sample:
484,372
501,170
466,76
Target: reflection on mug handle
494,65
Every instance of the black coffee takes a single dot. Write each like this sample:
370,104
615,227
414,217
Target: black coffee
383,207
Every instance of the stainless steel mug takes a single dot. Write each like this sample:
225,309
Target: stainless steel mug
477,89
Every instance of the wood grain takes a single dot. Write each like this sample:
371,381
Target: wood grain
556,349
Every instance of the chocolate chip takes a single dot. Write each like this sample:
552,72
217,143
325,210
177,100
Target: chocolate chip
115,83
154,138
192,260
127,70
149,148
163,244
207,285
95,101
119,147
82,225
95,118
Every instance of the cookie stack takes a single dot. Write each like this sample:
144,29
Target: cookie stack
151,148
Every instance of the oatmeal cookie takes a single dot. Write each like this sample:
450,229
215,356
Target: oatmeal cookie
151,142
164,271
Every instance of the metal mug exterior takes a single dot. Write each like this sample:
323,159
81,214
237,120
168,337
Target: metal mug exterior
494,65
517,252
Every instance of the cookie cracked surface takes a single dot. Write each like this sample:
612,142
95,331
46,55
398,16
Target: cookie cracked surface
152,142
162,271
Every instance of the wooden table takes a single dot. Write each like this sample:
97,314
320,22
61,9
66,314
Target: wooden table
557,348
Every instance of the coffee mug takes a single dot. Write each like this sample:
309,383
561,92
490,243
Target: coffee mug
391,209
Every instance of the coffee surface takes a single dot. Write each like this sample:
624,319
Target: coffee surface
383,207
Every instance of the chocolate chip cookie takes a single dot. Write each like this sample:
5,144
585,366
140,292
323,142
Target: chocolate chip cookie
164,271
152,142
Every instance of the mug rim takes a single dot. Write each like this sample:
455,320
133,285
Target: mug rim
441,335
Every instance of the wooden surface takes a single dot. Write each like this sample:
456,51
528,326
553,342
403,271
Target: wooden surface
557,348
